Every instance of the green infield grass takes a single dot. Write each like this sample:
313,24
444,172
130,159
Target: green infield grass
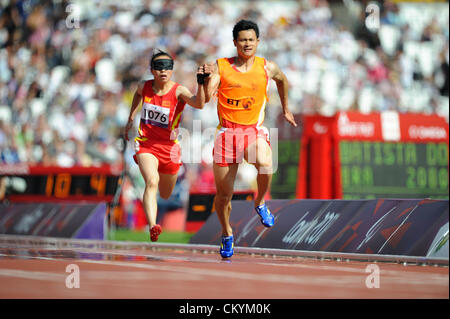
143,236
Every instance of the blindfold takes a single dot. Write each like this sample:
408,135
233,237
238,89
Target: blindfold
162,64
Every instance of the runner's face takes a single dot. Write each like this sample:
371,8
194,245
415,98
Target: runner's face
162,75
246,43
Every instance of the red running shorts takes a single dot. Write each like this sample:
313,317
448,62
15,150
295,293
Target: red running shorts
168,155
231,142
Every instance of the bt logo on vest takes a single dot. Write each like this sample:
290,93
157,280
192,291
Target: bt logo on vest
233,102
246,103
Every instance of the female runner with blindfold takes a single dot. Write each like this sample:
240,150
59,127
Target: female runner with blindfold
158,153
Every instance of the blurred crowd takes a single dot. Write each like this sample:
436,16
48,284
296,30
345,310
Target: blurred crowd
69,69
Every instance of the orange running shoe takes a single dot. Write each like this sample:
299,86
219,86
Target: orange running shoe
154,232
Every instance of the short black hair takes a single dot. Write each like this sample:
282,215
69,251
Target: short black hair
245,25
158,54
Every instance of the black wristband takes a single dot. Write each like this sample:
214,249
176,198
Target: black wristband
201,78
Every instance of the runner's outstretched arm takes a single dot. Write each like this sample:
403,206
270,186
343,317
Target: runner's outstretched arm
198,100
137,98
212,81
283,90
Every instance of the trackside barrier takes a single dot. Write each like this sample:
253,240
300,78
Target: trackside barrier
66,220
201,206
377,227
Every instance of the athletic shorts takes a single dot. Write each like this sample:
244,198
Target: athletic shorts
231,142
168,155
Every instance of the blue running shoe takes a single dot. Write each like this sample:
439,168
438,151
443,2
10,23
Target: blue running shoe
267,218
226,247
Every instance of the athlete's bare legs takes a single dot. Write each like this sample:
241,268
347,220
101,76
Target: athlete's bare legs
224,178
166,184
148,165
263,164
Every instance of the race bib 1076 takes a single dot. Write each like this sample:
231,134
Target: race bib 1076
155,115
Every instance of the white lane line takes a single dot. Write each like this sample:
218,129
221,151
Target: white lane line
190,273
204,273
403,275
34,275
88,251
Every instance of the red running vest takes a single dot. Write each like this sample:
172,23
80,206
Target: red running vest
160,115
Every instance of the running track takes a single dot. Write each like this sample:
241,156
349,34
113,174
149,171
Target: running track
35,267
